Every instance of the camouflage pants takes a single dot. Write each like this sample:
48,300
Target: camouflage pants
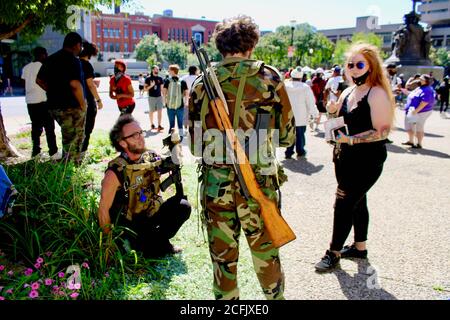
227,211
72,123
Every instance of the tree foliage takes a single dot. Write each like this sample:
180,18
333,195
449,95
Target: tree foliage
440,57
32,16
343,45
311,47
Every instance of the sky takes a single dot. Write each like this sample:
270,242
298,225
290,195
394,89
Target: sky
269,14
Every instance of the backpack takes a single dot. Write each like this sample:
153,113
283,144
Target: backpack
8,193
174,94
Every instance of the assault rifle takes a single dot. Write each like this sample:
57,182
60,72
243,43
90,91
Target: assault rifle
278,230
168,166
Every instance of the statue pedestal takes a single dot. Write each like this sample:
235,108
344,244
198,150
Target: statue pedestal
410,71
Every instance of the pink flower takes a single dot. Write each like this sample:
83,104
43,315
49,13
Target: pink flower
61,293
26,285
2,267
37,265
85,265
107,274
28,272
10,273
2,298
39,260
74,295
35,285
48,254
61,274
9,291
33,294
48,282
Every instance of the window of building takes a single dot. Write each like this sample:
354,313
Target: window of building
105,32
134,34
140,34
438,41
117,47
111,33
125,47
111,47
117,33
105,46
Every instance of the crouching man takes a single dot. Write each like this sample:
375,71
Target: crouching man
130,195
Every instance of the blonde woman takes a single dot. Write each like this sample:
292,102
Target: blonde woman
368,110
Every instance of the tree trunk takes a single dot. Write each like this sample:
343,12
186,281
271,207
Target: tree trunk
7,150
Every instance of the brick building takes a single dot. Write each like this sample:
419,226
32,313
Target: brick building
117,35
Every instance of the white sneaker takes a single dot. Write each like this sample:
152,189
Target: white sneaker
57,156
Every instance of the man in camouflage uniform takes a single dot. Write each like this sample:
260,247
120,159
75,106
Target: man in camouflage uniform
259,93
61,76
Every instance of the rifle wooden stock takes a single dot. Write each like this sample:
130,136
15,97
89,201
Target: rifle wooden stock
277,228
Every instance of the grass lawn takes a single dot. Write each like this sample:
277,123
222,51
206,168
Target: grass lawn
54,226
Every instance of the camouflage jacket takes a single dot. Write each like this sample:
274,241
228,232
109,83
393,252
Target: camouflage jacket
263,92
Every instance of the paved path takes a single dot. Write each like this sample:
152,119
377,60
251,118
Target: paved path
409,232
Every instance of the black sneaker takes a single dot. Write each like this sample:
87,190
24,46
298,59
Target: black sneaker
352,252
329,261
417,146
153,127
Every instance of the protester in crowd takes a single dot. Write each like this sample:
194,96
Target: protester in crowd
92,97
154,85
444,95
262,102
121,88
130,195
36,100
141,81
422,101
303,105
368,108
62,77
176,97
318,88
189,79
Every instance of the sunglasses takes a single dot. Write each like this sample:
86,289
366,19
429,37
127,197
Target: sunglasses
360,65
135,135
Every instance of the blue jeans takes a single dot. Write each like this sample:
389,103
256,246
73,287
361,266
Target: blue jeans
299,143
178,113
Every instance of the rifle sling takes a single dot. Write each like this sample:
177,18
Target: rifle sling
239,96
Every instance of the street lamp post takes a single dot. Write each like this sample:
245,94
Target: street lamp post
291,52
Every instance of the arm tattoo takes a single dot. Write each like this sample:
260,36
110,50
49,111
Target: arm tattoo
371,136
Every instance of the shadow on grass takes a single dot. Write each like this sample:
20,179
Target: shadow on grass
152,281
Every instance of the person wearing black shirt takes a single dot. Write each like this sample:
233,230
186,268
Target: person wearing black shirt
61,76
154,85
92,96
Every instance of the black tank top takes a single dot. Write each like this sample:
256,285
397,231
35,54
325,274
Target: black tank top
358,120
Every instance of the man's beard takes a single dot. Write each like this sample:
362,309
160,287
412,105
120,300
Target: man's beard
136,149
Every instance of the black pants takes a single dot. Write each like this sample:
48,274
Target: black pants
357,169
153,233
444,102
41,119
127,110
90,123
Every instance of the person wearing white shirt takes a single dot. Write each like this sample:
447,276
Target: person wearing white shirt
303,105
36,99
332,92
189,79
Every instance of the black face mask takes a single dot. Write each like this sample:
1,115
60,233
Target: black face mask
362,79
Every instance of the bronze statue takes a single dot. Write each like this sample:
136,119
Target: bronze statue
411,43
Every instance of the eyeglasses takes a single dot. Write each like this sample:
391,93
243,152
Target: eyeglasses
135,135
360,65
